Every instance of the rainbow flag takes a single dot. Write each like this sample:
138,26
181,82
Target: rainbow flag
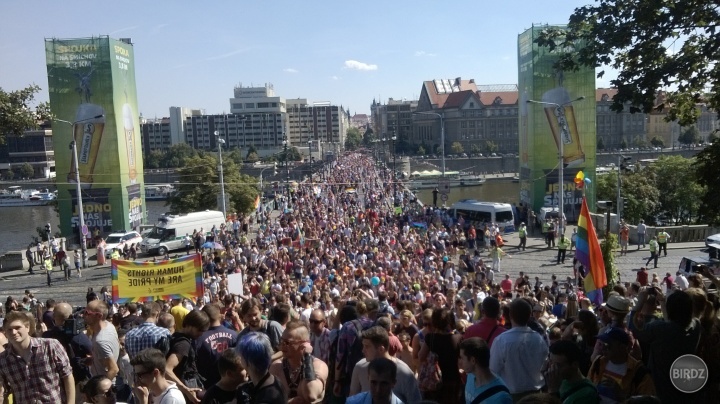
590,255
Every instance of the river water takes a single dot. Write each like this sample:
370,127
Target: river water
19,223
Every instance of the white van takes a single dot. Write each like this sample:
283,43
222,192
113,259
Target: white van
170,230
478,213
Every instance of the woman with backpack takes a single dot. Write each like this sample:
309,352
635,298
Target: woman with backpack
443,344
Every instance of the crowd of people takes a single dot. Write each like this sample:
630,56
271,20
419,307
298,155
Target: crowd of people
357,293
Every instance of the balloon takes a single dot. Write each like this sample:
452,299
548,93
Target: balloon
588,181
375,281
445,259
580,175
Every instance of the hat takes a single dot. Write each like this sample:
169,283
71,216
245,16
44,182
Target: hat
615,334
537,307
618,304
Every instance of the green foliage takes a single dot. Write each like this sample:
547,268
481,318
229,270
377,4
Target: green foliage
690,135
420,150
640,142
706,168
623,144
293,154
153,159
251,150
177,155
368,137
654,45
608,246
24,171
457,148
353,139
200,186
252,157
235,155
490,146
475,148
657,142
674,176
8,175
600,144
17,113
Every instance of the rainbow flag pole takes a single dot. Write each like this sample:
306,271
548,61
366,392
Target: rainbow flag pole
590,255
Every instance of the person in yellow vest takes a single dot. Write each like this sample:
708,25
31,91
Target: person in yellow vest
546,231
522,233
48,263
654,246
497,254
562,245
662,239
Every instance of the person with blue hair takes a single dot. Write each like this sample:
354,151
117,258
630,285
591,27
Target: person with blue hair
255,357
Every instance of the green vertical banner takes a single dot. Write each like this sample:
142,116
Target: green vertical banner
92,87
543,126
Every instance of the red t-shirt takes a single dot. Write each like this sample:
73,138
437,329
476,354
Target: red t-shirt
642,278
485,329
507,285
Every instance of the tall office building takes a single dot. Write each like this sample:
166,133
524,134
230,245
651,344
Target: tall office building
319,123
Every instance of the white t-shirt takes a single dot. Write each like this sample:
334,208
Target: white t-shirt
171,395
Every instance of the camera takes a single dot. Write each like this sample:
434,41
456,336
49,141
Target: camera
73,326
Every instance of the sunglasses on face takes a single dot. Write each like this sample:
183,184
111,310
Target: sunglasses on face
313,321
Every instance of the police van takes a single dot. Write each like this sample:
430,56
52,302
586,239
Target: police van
170,230
478,214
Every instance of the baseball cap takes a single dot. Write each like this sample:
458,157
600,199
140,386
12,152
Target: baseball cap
615,334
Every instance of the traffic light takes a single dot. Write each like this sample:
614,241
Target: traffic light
625,203
275,168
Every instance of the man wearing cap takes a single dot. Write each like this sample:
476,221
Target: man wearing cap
616,374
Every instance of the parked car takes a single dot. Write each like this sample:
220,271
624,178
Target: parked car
120,239
714,239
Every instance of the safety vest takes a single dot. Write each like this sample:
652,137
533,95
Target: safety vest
653,245
563,243
662,237
522,231
545,227
48,264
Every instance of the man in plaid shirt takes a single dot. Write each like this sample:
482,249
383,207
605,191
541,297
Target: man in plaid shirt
147,334
37,370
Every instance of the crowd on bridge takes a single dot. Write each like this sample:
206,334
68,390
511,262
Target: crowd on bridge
355,292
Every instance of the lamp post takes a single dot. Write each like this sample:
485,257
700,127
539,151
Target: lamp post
221,142
287,169
560,112
442,135
394,138
78,191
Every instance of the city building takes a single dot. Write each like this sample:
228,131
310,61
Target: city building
614,128
359,121
480,118
394,119
262,131
34,147
320,126
162,133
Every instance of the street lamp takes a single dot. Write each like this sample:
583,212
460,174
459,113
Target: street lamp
220,142
78,191
442,135
394,138
560,112
287,169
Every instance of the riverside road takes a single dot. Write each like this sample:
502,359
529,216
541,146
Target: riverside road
535,261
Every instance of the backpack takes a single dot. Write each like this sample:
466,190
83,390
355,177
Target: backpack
185,375
163,345
355,354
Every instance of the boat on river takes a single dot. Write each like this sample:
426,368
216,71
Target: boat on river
432,179
158,192
16,196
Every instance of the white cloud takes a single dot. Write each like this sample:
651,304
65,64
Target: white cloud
355,65
423,53
290,70
334,78
227,55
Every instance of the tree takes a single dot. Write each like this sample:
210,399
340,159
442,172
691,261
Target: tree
235,155
623,144
457,148
689,136
8,175
252,157
637,188
353,138
200,188
640,142
153,159
177,155
490,146
657,142
600,143
420,150
707,167
17,113
654,45
24,171
675,177
251,150
475,148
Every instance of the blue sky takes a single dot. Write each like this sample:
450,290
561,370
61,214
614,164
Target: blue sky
192,53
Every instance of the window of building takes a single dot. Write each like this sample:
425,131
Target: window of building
250,105
237,105
263,105
472,104
463,124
